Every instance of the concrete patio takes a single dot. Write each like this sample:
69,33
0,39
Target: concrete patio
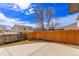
40,49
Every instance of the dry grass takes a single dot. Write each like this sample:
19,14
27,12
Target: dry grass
18,43
33,41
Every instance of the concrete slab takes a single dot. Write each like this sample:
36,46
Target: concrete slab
54,49
25,49
40,49
4,52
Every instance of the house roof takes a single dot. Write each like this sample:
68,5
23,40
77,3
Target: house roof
22,26
73,24
2,27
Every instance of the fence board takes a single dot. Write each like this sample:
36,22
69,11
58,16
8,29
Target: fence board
64,36
11,38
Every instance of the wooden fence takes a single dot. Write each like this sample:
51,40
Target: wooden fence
63,36
11,38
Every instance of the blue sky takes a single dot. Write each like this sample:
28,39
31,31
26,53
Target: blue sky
23,13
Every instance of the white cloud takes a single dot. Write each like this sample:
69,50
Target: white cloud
28,13
6,20
68,19
11,22
65,21
31,9
24,8
20,6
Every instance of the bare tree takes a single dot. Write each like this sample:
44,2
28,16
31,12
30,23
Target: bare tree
49,16
77,18
39,12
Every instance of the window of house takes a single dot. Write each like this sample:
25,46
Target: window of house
24,28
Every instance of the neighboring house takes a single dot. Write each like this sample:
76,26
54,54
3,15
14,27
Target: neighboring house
22,29
38,29
2,28
71,27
